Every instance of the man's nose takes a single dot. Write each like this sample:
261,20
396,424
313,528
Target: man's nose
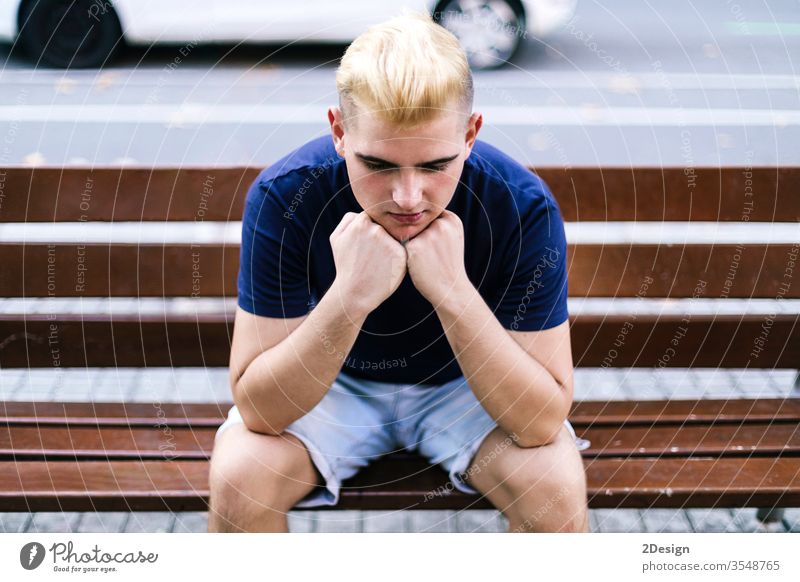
407,192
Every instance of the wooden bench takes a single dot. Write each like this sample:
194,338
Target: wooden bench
138,456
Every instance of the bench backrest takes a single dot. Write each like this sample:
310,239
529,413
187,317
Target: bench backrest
130,247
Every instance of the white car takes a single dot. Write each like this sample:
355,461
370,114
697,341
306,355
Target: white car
87,33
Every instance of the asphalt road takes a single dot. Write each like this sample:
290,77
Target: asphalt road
684,83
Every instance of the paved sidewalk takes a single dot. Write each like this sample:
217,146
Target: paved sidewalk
211,385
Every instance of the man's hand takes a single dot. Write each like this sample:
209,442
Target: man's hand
436,258
370,263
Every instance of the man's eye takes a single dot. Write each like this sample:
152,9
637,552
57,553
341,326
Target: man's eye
371,166
434,168
380,167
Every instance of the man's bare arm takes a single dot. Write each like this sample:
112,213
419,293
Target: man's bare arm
274,387
528,398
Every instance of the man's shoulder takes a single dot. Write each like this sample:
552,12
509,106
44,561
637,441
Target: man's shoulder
298,179
502,174
312,158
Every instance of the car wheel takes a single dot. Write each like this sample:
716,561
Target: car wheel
74,34
491,31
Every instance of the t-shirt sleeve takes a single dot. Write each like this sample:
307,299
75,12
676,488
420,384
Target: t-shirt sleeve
273,262
533,296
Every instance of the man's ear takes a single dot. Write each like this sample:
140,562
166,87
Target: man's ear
337,129
473,127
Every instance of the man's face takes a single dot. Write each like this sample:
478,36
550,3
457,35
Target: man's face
404,178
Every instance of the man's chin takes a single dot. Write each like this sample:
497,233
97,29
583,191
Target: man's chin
404,234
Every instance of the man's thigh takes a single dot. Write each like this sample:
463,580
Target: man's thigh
529,479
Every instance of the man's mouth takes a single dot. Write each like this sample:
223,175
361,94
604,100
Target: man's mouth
407,218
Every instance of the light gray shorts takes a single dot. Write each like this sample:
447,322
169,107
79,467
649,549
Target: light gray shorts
359,420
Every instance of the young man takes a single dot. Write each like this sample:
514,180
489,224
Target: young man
401,285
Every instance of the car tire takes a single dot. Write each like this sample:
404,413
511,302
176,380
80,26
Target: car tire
76,34
490,31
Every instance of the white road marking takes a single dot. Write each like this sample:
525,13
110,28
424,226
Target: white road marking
497,80
200,114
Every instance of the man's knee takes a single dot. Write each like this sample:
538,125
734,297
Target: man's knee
247,469
553,469
558,507
548,488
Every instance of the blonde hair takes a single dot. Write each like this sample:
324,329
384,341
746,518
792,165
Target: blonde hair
406,70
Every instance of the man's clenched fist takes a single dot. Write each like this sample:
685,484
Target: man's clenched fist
370,263
436,258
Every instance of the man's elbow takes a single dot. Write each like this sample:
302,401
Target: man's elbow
546,429
533,439
544,433
253,419
258,424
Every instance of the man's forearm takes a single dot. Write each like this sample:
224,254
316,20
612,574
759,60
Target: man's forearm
515,389
286,381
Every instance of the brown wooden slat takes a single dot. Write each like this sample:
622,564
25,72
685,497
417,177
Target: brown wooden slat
113,413
183,485
675,483
677,270
725,341
167,443
103,485
121,270
683,412
159,442
126,341
712,440
85,194
47,194
708,194
82,442
710,342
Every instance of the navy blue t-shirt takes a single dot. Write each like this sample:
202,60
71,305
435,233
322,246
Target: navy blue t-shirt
514,255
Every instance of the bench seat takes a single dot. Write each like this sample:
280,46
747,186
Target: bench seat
59,456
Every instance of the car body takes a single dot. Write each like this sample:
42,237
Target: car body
144,22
